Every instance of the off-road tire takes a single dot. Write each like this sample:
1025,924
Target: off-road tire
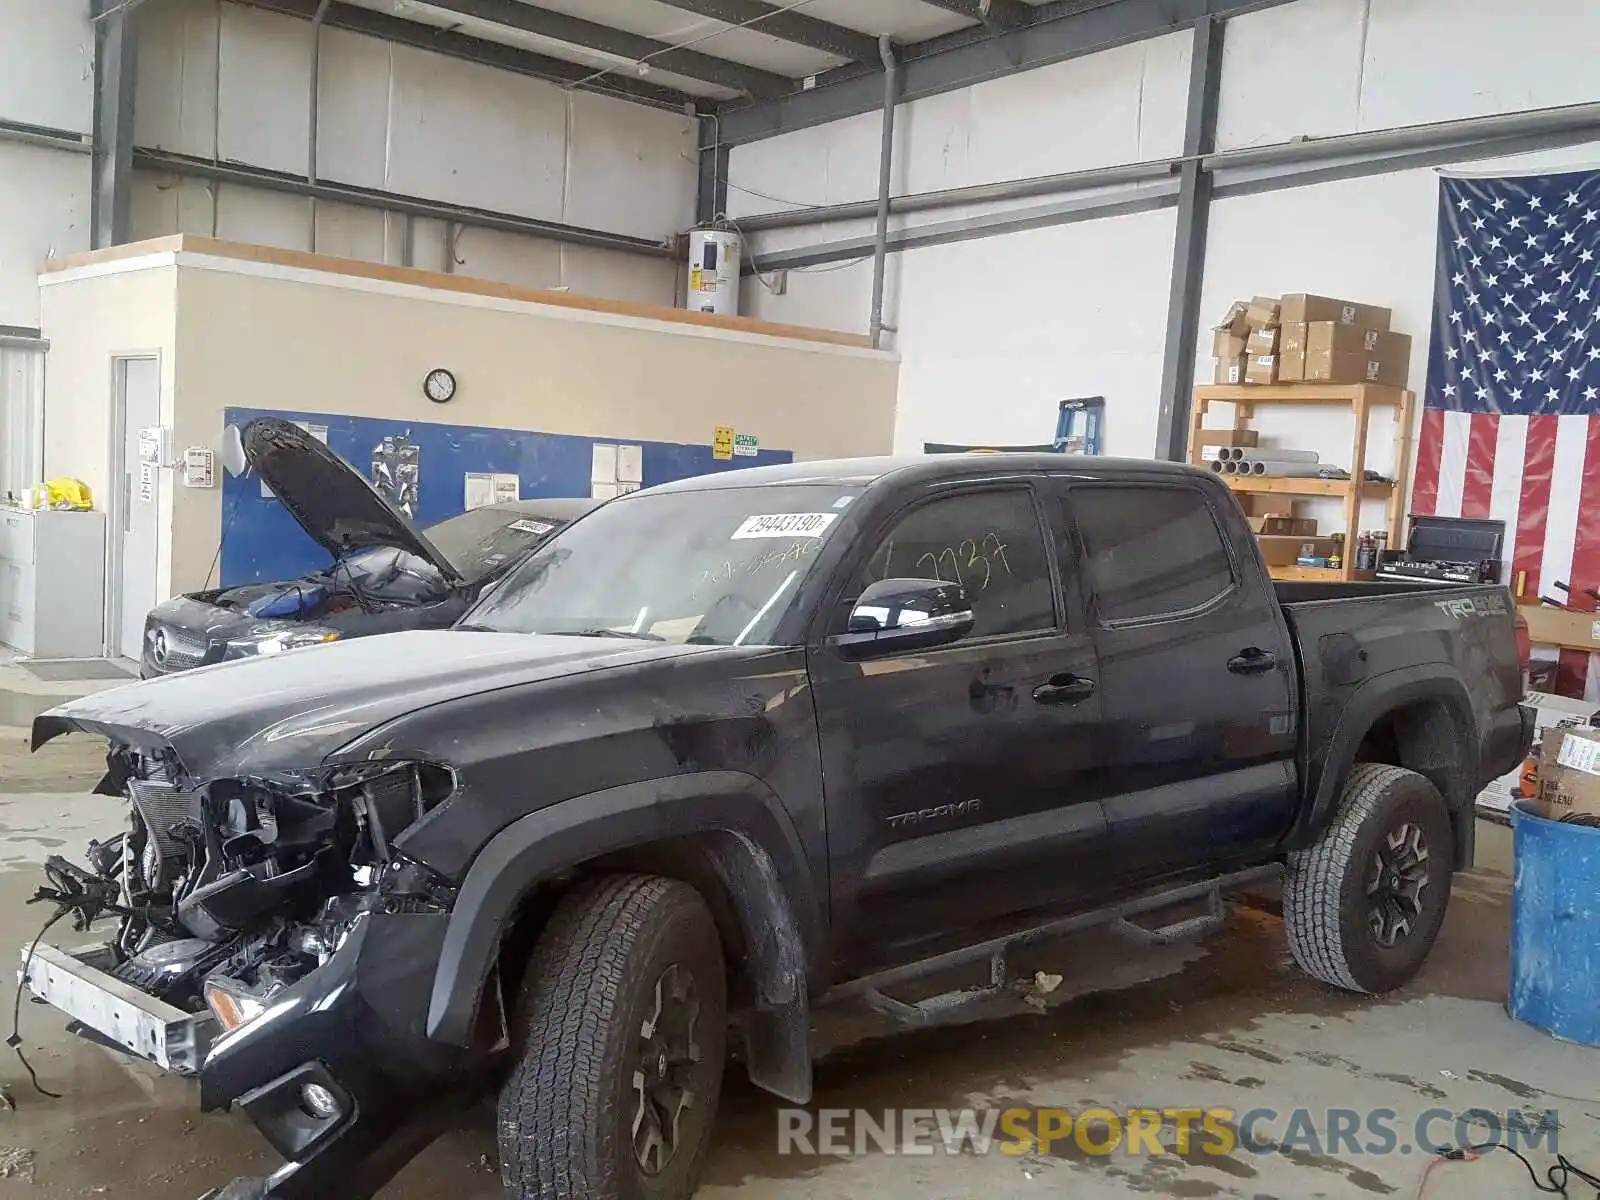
566,1113
1325,894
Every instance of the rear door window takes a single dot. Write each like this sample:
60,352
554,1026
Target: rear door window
1150,551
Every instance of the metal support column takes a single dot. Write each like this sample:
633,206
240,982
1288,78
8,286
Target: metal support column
314,116
711,196
880,241
115,66
1189,247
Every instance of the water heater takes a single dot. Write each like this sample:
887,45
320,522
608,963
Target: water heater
714,271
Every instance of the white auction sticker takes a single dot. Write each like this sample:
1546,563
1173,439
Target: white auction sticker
785,525
526,526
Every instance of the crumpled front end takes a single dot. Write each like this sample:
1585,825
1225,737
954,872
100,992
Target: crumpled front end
269,937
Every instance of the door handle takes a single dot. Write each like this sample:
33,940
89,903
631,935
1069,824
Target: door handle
1064,689
1252,661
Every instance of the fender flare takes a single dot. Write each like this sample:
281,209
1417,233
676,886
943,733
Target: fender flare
1367,705
756,853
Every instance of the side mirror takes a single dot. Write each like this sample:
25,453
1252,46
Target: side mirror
896,615
233,460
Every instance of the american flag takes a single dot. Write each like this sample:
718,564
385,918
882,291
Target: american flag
1511,420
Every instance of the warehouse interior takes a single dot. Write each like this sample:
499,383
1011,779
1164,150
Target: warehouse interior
1338,253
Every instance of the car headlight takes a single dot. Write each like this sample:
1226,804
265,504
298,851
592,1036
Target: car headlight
273,638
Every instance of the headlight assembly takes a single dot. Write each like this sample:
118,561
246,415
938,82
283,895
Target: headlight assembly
274,637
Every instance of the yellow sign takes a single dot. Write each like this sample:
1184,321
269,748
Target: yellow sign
722,443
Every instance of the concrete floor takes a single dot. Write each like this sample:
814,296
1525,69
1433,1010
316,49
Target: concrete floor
1229,1024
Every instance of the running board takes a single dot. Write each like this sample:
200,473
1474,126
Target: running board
934,1009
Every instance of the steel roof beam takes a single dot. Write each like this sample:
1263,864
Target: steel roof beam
1059,31
787,25
618,43
418,36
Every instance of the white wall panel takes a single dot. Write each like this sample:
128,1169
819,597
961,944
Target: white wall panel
262,89
1120,106
1292,70
44,213
629,169
592,272
1437,60
836,296
1324,67
47,63
508,257
826,164
345,231
473,135
994,333
165,204
247,214
353,99
175,103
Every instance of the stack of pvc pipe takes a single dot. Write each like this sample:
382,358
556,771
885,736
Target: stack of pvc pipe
1237,460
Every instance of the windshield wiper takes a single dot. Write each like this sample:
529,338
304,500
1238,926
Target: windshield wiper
610,633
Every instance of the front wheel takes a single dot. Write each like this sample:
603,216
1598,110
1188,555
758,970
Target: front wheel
624,1023
1363,906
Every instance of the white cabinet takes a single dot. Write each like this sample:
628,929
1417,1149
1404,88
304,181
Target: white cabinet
52,582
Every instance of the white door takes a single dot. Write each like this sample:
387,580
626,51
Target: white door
133,525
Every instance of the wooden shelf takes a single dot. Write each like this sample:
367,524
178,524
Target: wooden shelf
1360,399
1296,574
1300,393
1285,485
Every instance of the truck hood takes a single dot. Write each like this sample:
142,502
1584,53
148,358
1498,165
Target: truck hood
290,711
338,508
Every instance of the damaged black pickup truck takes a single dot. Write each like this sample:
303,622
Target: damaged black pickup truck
730,748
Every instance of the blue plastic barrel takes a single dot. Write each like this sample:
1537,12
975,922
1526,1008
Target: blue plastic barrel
1555,927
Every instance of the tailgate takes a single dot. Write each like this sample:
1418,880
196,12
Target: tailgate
75,982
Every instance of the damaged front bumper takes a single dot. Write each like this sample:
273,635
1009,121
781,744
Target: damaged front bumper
337,1073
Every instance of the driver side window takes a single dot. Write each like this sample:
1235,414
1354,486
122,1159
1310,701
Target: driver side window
990,543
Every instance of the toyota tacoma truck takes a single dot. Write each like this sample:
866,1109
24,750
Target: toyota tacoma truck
728,749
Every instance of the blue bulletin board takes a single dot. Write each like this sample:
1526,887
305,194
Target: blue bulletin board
262,542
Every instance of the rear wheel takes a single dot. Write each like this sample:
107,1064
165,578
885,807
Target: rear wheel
624,1021
1363,906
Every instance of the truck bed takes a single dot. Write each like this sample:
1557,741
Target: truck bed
1416,636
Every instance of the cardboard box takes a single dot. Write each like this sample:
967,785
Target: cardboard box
1262,313
1569,774
1263,368
1284,526
1229,371
1261,341
1227,344
1328,366
1227,437
1301,308
1234,322
1291,352
1266,504
1284,551
1352,339
1561,627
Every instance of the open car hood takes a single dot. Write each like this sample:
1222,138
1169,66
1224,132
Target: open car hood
329,498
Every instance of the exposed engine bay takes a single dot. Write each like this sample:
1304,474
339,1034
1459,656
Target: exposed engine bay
228,892
366,581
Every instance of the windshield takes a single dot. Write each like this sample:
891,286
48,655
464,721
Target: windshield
481,541
715,567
